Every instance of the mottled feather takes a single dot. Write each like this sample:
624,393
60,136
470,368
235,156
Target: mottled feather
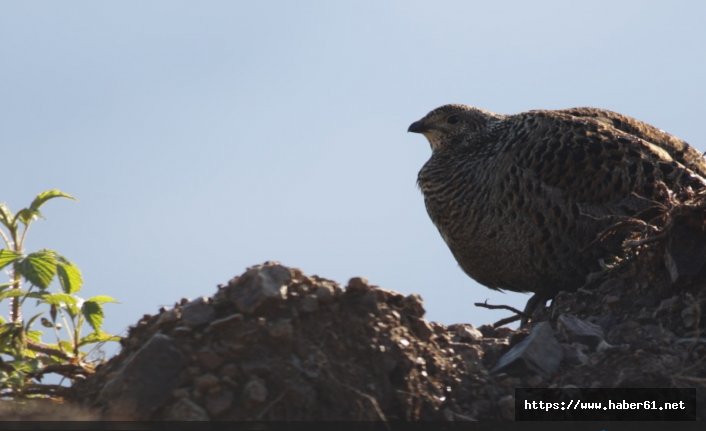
522,199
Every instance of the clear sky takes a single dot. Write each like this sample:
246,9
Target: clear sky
202,137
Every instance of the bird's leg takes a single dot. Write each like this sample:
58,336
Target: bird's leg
532,304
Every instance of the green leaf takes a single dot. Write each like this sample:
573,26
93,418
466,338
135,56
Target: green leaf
6,216
35,335
98,337
7,257
69,276
102,299
65,346
45,196
39,268
63,300
30,321
59,299
12,293
24,366
7,328
93,312
26,215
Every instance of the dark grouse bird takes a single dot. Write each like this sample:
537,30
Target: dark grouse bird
522,199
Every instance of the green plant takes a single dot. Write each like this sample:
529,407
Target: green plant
24,358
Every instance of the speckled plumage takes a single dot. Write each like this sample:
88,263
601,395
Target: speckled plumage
521,199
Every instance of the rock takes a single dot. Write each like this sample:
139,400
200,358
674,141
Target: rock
206,382
186,410
580,331
421,328
470,353
146,380
611,299
506,406
197,312
413,305
325,293
218,403
255,390
224,322
281,328
168,316
209,359
539,353
691,315
309,304
230,370
573,355
612,285
466,332
357,285
258,285
182,331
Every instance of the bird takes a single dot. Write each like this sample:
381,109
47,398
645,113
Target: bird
522,200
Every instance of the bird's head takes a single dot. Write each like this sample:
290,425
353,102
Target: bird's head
452,124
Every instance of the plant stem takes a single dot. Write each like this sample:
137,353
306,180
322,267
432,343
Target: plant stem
5,238
15,313
41,348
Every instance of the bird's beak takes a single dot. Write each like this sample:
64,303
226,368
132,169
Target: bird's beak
418,127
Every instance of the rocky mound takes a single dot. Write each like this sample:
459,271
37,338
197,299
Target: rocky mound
275,344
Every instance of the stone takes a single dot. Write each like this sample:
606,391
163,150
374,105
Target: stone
573,354
230,369
209,359
255,390
259,285
506,406
166,317
580,331
357,285
309,304
204,383
224,322
466,332
281,328
325,293
538,353
218,403
186,410
413,305
146,380
421,328
197,312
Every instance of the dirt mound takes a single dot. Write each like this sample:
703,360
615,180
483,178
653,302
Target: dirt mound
275,344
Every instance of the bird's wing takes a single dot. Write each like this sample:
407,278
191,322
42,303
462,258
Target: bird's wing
591,161
677,148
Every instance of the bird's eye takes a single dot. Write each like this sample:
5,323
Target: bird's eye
453,119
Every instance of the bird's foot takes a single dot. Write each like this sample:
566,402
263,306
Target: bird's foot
532,306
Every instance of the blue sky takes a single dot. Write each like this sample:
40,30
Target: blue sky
205,137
